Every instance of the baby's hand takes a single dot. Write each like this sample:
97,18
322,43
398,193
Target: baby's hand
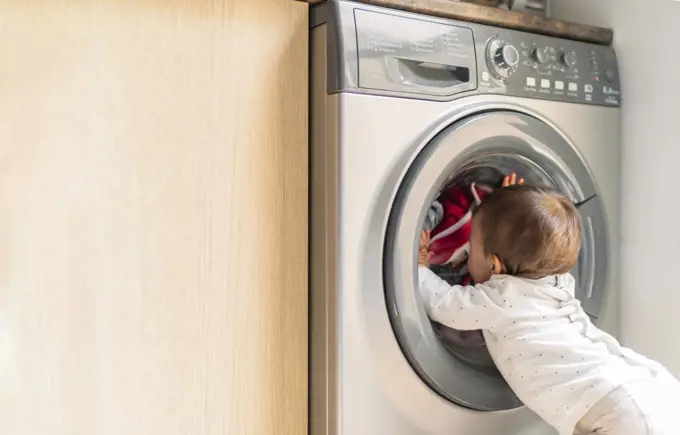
424,249
511,179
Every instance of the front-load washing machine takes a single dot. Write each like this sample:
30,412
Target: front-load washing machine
402,106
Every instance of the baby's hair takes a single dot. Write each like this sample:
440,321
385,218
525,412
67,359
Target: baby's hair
533,231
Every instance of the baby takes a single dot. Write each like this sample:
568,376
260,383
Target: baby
523,243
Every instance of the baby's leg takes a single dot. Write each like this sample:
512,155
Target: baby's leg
617,413
646,407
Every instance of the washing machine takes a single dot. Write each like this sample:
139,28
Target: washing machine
401,106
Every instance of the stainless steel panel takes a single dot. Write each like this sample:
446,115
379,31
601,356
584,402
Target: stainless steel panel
324,250
592,69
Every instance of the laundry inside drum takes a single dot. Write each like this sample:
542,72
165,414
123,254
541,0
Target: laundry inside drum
449,217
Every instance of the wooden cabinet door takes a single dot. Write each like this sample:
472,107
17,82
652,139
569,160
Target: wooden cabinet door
153,217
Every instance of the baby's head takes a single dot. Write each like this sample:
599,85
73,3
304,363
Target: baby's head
524,231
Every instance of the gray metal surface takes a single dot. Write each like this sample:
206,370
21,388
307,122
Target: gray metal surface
426,57
362,147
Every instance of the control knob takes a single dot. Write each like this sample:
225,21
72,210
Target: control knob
568,59
540,55
609,75
503,57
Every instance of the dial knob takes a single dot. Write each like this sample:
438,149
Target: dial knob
540,55
506,56
609,75
503,57
568,59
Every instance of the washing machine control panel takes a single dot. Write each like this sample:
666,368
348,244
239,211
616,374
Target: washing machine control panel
549,68
409,54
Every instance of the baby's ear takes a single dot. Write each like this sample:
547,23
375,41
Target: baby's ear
496,265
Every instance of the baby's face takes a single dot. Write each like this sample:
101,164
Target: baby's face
479,265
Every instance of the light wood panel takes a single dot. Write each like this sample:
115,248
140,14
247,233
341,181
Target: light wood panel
153,217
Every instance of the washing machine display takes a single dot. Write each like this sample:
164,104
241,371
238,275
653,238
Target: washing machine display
401,107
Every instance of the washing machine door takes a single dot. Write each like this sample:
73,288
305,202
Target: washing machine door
510,142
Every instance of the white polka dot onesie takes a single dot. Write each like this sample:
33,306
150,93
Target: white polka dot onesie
543,343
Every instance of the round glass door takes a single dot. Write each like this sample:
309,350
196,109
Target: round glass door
482,149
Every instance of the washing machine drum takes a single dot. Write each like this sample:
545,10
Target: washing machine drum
488,144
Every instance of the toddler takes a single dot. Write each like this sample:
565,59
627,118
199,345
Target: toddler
523,243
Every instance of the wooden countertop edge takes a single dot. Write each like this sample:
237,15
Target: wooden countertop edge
498,17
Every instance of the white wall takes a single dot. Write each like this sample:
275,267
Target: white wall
647,39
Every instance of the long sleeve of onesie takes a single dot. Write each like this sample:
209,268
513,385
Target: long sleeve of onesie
460,307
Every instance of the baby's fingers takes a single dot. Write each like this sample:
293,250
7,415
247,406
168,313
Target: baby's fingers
424,239
511,179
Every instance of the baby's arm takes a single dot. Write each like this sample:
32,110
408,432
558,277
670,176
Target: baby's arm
459,307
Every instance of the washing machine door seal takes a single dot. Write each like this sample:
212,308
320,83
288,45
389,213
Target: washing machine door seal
513,135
